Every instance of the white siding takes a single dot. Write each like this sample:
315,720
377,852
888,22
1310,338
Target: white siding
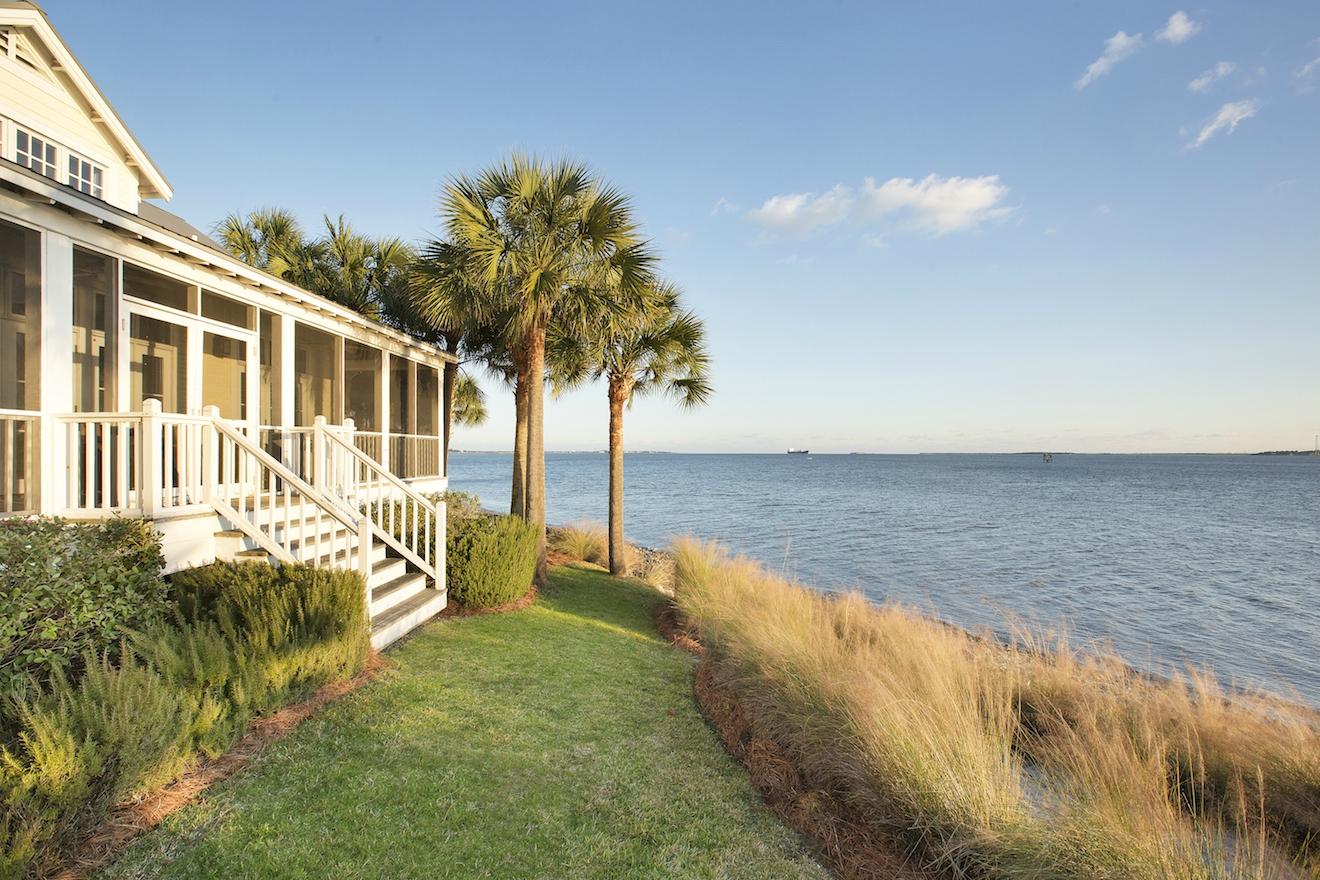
46,107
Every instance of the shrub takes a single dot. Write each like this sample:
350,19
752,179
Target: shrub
301,626
459,505
490,560
67,588
243,640
583,540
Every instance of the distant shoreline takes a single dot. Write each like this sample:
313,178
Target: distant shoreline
1287,452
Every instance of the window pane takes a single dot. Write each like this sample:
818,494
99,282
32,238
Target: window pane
93,331
145,284
314,375
222,308
159,363
224,375
20,317
362,381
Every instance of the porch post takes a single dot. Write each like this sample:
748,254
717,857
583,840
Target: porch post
55,386
385,409
318,452
152,467
210,452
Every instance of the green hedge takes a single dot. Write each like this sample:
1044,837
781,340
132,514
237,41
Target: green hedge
489,560
241,640
67,588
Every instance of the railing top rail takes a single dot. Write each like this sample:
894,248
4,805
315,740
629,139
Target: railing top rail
379,468
335,509
20,413
189,418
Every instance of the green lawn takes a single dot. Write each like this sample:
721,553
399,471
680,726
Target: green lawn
560,741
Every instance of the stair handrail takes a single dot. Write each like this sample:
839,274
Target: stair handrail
427,560
357,524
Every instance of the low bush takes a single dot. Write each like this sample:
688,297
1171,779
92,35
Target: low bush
242,640
490,560
459,505
67,588
994,761
586,541
302,626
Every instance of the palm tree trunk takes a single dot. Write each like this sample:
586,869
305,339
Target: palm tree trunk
450,380
518,492
618,551
536,443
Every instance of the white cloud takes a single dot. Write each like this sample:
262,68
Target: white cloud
1227,118
935,204
1211,76
938,204
803,212
723,206
1306,73
1117,47
1179,29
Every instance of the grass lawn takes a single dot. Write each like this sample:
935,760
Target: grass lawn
558,741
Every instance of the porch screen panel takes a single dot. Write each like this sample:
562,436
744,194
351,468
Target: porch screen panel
224,375
153,287
159,364
20,353
428,401
269,347
315,376
20,317
95,277
362,381
400,396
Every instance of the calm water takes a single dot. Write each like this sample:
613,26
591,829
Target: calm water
1213,559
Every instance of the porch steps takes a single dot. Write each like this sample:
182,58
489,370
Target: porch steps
390,626
400,599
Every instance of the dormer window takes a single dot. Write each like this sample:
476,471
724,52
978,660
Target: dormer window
35,153
84,176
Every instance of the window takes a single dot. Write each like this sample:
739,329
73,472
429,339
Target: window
268,350
94,280
84,176
35,153
145,284
428,401
400,396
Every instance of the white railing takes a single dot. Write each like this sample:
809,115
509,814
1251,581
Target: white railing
18,462
280,511
415,455
402,517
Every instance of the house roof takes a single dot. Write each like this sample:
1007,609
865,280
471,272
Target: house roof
172,234
24,13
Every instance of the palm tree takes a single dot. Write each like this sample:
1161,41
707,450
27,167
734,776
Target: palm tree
660,349
543,242
272,240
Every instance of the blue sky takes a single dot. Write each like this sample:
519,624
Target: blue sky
915,227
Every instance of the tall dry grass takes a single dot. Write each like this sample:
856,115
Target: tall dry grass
587,541
985,761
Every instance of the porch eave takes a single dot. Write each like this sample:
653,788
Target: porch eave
33,187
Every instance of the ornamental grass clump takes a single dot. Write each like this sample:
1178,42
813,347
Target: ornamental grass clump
586,541
922,730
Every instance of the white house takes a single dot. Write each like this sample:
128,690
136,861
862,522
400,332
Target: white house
145,372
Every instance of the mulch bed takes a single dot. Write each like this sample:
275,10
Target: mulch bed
131,820
844,841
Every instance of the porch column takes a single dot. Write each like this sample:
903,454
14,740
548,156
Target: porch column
385,409
56,381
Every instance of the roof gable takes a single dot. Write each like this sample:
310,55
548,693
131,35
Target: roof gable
31,40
